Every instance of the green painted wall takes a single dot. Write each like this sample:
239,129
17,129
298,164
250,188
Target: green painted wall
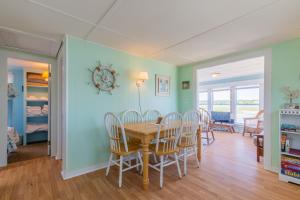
87,141
285,71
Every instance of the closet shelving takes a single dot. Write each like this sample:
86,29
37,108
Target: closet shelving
289,144
36,97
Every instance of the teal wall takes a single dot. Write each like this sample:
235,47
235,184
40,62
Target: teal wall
87,141
285,71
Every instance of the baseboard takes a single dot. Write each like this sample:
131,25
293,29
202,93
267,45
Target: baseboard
275,169
70,174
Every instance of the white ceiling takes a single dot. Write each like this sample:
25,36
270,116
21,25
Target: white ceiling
247,67
174,31
12,63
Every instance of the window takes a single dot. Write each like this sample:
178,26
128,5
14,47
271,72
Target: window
203,100
247,103
221,100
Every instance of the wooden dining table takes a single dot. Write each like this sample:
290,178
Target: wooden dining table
146,131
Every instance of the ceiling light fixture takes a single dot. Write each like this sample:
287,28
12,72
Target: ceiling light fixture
215,75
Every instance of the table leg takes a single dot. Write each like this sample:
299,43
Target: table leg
145,145
199,143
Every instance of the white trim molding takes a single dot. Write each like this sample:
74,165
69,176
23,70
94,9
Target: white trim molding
3,113
4,55
267,53
71,174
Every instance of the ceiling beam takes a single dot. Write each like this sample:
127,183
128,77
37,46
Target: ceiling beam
60,12
101,18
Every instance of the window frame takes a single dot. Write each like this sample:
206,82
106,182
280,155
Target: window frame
257,86
220,90
233,87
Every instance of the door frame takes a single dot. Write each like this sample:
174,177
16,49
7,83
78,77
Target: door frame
11,53
267,53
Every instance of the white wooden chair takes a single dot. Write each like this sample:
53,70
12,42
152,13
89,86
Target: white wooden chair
131,117
188,139
119,146
151,115
167,137
205,122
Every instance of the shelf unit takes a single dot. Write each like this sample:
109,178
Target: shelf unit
40,91
287,159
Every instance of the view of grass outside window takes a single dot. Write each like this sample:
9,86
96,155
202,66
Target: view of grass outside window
203,100
247,103
221,100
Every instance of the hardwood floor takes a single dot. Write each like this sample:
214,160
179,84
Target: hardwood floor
228,171
28,152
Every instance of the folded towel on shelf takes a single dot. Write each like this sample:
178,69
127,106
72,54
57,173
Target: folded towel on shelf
33,110
31,128
45,110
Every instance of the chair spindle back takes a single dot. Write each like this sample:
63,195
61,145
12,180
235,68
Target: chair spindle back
116,132
190,127
168,133
151,115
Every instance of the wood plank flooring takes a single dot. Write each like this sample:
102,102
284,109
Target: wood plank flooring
228,171
28,152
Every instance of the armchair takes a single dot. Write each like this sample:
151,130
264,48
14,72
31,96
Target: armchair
254,125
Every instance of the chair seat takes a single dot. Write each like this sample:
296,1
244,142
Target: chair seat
132,148
160,151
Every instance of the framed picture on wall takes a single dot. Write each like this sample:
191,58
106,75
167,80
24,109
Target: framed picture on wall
185,85
162,85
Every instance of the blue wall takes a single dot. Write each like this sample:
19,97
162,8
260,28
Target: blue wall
16,105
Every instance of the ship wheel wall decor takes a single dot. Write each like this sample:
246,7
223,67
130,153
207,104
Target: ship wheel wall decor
104,78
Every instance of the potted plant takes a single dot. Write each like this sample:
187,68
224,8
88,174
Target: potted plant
291,94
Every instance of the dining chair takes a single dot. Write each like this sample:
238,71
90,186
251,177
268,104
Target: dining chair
188,139
130,117
168,133
151,115
119,146
205,122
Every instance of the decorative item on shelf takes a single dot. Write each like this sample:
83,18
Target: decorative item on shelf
162,85
185,85
287,145
142,76
283,142
104,78
291,95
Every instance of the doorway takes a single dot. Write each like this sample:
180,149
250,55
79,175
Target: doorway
240,96
28,116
